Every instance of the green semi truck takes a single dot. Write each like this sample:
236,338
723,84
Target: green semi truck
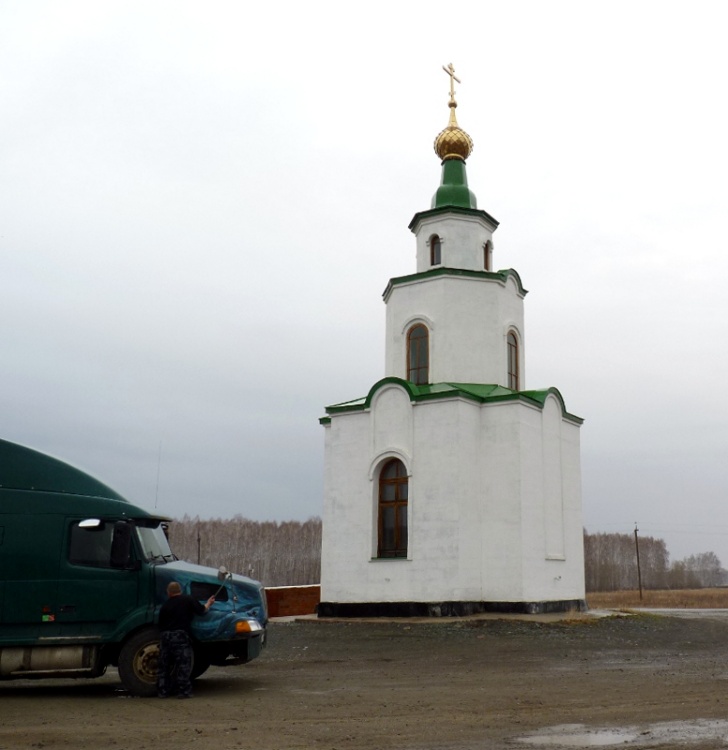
83,573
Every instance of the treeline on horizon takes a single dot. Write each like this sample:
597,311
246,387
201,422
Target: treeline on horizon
610,564
288,553
285,553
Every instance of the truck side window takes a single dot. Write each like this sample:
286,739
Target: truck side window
91,546
200,590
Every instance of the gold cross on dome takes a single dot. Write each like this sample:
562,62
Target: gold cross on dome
450,70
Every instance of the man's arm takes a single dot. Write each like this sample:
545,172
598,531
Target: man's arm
201,609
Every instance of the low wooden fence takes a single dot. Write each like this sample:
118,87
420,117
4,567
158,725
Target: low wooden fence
289,601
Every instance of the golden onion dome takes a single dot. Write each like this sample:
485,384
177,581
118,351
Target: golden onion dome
453,142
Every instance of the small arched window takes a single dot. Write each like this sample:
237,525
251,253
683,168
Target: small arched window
435,250
393,497
418,355
513,370
487,255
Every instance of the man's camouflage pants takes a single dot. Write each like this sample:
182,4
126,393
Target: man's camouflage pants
175,664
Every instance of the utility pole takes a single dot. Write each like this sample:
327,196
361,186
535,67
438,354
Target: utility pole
639,569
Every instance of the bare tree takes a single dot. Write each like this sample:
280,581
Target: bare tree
610,562
702,570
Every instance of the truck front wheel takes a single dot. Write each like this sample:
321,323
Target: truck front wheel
139,661
200,664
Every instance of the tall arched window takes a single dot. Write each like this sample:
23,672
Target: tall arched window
435,250
513,370
418,355
487,255
393,492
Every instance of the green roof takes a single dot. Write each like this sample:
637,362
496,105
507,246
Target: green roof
481,393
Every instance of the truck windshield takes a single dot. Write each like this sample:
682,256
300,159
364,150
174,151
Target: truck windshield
155,547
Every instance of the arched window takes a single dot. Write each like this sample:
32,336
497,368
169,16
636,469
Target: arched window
487,255
418,355
513,371
393,487
435,250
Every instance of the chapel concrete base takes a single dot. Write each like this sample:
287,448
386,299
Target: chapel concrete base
445,609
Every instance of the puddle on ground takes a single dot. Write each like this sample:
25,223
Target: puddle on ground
677,733
579,736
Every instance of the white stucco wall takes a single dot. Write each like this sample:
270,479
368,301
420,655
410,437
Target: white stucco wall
468,320
462,240
494,508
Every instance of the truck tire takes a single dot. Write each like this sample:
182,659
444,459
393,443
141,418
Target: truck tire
200,664
138,663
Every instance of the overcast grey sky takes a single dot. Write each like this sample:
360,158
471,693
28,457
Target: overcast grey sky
202,202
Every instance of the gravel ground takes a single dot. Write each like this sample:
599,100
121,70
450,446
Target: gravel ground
637,681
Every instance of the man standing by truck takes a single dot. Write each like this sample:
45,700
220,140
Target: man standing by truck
175,647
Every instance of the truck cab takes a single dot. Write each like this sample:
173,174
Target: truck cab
83,573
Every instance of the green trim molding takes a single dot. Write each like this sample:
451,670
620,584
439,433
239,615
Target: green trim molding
478,392
499,276
442,210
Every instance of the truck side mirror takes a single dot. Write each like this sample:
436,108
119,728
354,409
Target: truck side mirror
121,545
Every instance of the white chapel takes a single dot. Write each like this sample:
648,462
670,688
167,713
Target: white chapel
450,488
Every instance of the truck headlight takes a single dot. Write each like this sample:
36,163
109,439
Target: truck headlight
247,626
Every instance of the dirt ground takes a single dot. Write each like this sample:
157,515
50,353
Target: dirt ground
637,681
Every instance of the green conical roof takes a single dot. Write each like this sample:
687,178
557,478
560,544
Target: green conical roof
454,190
